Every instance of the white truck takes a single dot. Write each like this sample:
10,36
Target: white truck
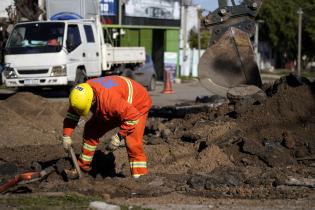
63,50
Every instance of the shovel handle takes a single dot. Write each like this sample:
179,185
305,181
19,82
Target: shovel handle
75,162
10,183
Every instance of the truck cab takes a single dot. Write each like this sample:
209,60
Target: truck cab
52,53
64,50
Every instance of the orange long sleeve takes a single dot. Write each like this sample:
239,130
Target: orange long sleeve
70,122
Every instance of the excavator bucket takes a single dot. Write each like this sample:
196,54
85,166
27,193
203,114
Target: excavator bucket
229,62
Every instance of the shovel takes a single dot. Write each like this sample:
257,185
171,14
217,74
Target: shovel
70,173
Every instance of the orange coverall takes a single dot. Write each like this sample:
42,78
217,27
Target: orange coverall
120,102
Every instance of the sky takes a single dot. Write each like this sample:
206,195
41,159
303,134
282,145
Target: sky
209,5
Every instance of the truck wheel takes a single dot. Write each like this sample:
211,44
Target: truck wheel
80,76
152,84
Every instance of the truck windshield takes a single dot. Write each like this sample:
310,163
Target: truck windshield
32,38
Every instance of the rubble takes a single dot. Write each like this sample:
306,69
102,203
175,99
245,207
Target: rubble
244,147
243,97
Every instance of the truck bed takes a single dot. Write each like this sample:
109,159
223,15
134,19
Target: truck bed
119,55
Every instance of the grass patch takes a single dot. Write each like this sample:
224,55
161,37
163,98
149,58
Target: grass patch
283,72
308,74
133,208
279,72
48,201
52,201
184,79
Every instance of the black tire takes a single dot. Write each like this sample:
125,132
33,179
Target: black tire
152,84
80,76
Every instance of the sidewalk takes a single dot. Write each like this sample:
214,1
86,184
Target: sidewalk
183,92
188,91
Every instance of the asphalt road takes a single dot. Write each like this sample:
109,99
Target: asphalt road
183,92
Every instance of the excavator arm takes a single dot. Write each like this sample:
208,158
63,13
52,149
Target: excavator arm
229,60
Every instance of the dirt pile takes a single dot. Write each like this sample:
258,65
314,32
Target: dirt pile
28,124
28,116
286,119
221,152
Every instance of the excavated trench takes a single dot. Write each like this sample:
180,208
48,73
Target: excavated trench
257,146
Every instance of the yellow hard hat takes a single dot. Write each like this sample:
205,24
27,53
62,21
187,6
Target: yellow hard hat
80,98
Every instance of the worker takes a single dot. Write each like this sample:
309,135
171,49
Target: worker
114,101
53,42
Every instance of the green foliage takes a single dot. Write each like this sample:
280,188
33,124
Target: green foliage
52,201
34,202
133,208
280,27
204,39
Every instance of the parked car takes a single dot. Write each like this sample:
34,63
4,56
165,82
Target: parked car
145,74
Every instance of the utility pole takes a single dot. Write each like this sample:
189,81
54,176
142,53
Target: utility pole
185,4
300,13
199,11
256,42
185,30
120,12
256,38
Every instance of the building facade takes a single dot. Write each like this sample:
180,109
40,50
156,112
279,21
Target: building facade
154,24
161,26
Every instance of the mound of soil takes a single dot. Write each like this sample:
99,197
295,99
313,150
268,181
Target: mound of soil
215,153
30,126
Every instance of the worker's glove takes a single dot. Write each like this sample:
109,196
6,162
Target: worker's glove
66,142
114,143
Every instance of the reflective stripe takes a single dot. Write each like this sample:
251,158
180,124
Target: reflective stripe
130,89
132,122
136,175
130,95
138,164
73,116
89,147
86,157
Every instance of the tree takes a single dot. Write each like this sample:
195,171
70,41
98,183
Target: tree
309,29
280,27
24,9
204,39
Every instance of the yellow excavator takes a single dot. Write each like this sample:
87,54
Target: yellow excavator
229,60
